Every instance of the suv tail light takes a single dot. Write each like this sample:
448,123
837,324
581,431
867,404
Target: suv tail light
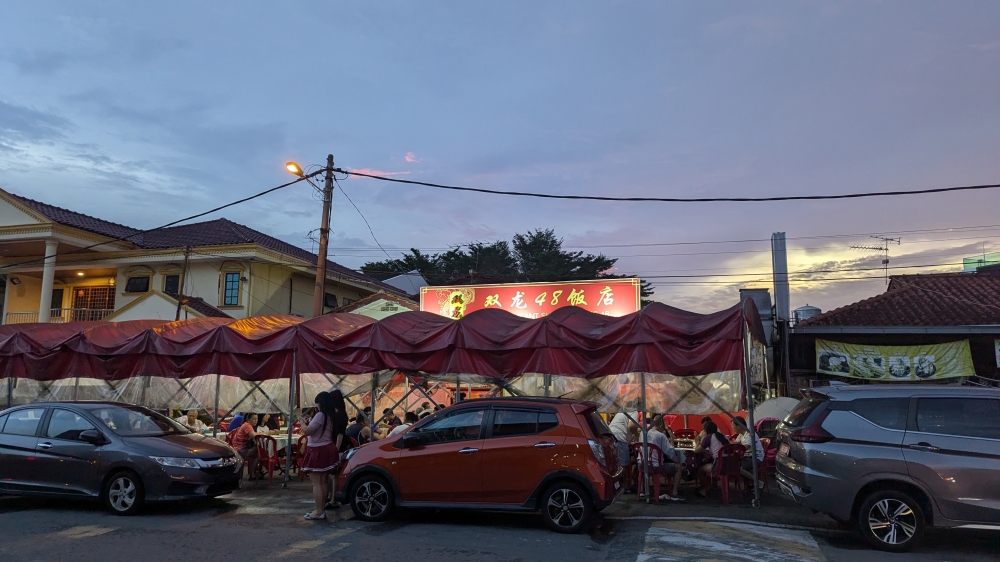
598,450
814,432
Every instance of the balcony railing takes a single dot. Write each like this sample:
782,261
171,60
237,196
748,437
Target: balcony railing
61,315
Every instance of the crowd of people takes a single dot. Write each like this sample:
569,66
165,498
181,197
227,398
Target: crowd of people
670,460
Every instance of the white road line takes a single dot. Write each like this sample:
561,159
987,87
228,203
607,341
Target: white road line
722,520
691,541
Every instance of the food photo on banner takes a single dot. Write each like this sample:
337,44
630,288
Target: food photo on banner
895,362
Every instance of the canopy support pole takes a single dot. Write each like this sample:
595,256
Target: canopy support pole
645,436
458,389
10,391
76,388
293,388
215,413
752,430
548,385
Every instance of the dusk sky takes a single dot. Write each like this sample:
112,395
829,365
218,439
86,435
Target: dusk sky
143,113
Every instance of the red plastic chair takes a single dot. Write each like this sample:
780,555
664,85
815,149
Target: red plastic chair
224,426
298,452
229,439
655,472
354,443
267,453
685,434
727,469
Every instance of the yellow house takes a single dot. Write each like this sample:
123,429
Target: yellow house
58,265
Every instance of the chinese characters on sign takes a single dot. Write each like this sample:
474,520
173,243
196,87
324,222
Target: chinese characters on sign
611,297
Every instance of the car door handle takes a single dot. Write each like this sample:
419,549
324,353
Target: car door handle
544,445
45,445
468,450
924,447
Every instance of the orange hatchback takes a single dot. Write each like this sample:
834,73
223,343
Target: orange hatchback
519,454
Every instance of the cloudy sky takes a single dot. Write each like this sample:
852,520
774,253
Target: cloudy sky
143,113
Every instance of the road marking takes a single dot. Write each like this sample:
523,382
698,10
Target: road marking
299,548
691,541
724,520
84,531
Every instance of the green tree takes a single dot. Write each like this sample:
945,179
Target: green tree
536,256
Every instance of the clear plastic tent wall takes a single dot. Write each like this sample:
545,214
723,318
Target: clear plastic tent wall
691,362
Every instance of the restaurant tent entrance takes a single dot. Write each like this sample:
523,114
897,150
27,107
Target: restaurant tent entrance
488,345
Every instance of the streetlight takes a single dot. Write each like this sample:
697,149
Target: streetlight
319,290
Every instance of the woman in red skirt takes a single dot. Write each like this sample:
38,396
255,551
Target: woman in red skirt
326,433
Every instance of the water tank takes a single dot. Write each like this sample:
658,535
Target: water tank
803,312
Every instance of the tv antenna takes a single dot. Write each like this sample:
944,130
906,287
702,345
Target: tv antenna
883,247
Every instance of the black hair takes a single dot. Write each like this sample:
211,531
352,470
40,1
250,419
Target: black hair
410,417
326,408
711,428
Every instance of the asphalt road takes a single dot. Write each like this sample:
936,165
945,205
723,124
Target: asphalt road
267,525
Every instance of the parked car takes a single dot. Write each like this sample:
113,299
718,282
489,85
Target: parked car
123,454
893,460
520,454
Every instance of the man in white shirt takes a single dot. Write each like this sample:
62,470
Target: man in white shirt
192,422
743,438
671,465
409,419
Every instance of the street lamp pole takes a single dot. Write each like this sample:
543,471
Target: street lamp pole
319,292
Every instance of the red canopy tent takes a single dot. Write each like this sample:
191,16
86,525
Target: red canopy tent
490,343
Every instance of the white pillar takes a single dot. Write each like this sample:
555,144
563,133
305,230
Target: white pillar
48,277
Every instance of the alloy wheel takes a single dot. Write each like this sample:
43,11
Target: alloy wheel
892,521
565,507
372,498
122,493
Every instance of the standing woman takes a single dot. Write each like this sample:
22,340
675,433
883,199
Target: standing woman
341,421
322,451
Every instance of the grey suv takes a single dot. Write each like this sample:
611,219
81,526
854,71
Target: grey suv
894,459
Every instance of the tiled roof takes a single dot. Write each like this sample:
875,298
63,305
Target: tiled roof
224,231
218,232
942,299
199,305
381,295
78,220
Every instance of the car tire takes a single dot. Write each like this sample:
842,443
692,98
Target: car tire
566,507
371,498
891,521
123,493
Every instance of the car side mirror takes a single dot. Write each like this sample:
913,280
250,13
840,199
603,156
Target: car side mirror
411,440
93,437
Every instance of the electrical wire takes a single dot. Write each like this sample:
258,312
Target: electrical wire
675,199
161,227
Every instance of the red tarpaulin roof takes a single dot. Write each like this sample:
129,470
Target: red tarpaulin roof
491,343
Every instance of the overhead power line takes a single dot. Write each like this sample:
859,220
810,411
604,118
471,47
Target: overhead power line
677,199
161,227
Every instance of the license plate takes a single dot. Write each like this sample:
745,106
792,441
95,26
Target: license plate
783,450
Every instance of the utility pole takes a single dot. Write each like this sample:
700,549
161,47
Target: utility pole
180,283
319,291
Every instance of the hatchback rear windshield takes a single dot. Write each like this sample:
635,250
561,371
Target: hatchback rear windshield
800,414
597,424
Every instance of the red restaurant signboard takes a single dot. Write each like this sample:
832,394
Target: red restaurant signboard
610,297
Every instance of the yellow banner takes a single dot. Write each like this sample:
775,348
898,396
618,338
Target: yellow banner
895,362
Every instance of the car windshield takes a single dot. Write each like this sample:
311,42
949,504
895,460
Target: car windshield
137,422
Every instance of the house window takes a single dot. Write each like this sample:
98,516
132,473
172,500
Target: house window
171,284
346,301
329,300
137,284
231,289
